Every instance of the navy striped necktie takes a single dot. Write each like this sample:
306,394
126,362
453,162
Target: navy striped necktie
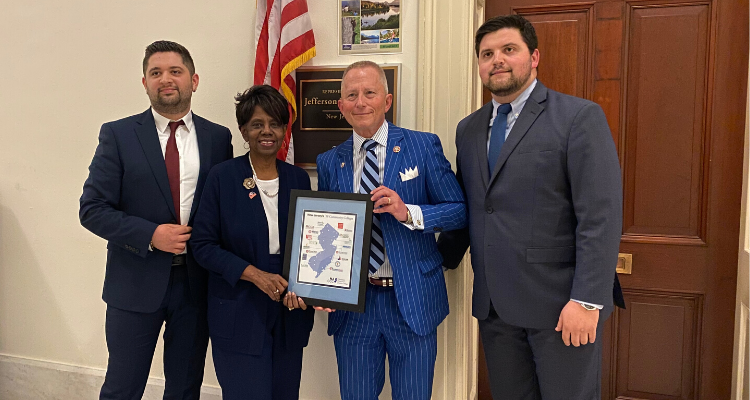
497,138
370,180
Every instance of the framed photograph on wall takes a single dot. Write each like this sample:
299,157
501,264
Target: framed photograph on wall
369,26
320,125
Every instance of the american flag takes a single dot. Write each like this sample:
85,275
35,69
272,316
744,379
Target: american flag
284,41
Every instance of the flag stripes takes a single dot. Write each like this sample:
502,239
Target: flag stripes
284,41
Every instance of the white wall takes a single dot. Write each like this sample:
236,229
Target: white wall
70,65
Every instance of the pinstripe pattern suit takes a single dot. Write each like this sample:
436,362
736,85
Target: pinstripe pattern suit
403,320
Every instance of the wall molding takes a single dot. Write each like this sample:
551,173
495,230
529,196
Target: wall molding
448,89
740,374
30,379
741,349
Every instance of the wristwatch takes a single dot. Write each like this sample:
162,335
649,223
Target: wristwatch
588,307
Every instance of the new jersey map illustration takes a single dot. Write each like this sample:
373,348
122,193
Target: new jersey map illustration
326,248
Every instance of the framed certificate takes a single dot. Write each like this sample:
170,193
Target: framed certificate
328,248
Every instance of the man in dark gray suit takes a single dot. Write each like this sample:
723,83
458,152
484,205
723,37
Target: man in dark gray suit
543,185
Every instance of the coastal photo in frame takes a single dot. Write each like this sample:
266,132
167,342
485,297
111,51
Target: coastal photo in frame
320,125
328,247
369,26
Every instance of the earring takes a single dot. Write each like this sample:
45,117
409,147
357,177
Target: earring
246,145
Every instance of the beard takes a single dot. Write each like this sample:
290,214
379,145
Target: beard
511,85
175,104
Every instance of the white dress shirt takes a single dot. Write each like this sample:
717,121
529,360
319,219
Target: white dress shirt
187,145
271,207
381,137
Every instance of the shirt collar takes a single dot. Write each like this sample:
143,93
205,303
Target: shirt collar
381,136
515,105
162,123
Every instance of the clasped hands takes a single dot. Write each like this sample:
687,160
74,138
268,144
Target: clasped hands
273,285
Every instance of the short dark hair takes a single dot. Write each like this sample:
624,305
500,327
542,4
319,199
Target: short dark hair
508,21
265,97
165,46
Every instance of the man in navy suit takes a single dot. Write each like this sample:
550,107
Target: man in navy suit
416,195
542,180
144,185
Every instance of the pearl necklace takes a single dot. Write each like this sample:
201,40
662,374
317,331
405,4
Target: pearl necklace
257,180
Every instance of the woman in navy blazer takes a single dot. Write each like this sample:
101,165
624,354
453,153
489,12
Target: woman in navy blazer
239,236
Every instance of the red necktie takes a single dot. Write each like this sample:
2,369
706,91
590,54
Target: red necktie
172,159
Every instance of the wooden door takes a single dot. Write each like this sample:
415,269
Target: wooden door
671,77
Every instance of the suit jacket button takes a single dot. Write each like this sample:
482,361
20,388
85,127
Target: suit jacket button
489,210
437,229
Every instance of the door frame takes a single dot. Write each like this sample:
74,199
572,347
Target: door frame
446,64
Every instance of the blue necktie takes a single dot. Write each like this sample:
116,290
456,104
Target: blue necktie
369,181
497,138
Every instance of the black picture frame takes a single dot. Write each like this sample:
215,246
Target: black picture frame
356,210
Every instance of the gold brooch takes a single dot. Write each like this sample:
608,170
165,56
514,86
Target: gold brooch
248,183
342,165
396,149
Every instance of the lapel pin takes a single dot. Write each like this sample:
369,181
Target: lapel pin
396,149
248,183
251,195
342,165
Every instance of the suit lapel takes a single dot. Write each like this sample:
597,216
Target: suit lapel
255,203
149,139
393,159
345,168
204,151
481,125
531,110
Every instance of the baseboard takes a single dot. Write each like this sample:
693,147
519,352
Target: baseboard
28,379
740,389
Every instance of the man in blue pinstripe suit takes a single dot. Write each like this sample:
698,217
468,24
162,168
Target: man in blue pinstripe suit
416,195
